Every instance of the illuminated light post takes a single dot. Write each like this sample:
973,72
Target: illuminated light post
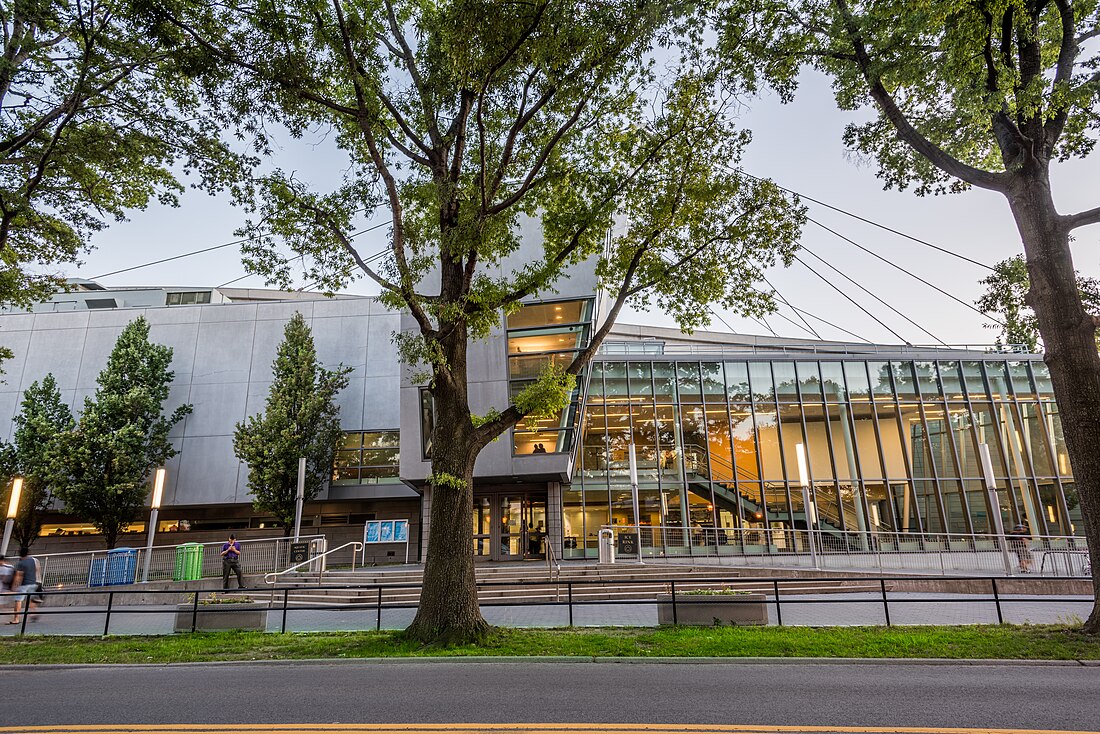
807,507
158,493
994,504
13,510
632,459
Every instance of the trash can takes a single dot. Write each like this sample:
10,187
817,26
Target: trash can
607,546
121,566
188,562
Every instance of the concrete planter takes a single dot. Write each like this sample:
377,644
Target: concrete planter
250,617
710,611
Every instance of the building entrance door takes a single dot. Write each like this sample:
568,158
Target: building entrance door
510,526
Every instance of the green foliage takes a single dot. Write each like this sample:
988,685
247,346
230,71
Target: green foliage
470,118
989,84
300,419
41,421
102,464
546,396
98,119
444,480
1006,294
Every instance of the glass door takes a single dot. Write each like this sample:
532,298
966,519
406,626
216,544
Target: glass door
483,527
513,529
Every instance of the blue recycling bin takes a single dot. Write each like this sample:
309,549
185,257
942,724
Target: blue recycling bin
97,573
121,566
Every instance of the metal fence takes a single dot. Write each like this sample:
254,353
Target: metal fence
871,551
81,568
877,600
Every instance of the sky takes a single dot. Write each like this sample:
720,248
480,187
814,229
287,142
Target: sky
797,145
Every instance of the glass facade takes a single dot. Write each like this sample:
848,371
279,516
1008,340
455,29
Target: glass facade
540,334
890,446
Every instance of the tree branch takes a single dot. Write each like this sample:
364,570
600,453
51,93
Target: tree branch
909,134
1081,219
1067,55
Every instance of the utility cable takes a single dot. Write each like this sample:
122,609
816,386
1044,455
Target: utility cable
796,313
854,302
868,221
207,249
830,323
872,295
285,260
907,272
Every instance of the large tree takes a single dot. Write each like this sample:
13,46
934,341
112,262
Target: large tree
102,466
43,418
972,93
300,419
96,119
461,117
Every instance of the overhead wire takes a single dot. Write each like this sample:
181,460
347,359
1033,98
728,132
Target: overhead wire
811,329
907,272
868,291
865,220
212,248
854,302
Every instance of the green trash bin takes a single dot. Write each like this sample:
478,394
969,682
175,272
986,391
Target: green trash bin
188,562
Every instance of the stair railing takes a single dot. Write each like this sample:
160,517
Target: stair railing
355,545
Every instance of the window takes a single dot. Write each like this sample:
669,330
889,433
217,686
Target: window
542,334
188,298
427,422
366,457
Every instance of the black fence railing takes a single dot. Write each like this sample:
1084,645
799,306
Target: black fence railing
679,596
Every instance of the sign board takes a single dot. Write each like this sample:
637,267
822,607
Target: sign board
386,531
299,553
628,544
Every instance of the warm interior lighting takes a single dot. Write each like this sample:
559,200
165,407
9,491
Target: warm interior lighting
1050,513
13,503
803,473
158,487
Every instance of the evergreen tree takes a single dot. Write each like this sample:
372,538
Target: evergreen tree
101,467
42,419
299,419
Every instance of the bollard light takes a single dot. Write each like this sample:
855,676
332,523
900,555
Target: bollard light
13,503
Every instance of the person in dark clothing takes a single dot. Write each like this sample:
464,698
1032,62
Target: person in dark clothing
25,584
231,562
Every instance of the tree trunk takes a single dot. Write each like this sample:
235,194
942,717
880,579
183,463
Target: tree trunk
1069,337
448,612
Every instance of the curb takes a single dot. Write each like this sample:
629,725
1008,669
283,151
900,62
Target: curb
556,659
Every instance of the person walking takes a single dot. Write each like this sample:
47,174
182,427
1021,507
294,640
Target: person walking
1018,541
231,562
25,584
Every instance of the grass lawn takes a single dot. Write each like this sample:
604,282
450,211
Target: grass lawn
970,642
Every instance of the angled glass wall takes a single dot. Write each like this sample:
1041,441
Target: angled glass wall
892,446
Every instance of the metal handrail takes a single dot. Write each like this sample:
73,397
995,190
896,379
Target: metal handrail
553,566
358,546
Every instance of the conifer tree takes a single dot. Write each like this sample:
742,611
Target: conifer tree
299,419
102,466
42,419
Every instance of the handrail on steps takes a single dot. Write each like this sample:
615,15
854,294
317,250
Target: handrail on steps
270,578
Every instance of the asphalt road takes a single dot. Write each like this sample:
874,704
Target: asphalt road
976,696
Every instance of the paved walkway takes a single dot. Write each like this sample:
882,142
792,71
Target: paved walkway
810,610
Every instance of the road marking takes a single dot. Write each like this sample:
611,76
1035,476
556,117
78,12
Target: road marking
515,729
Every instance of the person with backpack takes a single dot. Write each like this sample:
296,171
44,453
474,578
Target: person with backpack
25,584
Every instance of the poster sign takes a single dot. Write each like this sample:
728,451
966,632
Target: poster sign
376,532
